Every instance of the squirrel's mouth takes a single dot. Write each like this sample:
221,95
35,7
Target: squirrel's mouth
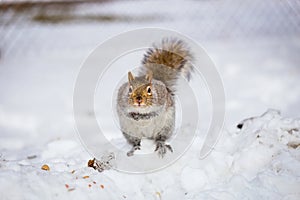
139,104
139,101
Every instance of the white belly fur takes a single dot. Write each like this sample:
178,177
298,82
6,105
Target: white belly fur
148,128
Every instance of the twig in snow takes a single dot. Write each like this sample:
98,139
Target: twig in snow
103,164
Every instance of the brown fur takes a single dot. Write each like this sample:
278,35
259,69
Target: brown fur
140,85
167,61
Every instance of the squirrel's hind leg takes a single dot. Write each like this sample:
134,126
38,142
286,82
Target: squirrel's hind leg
134,141
133,149
161,146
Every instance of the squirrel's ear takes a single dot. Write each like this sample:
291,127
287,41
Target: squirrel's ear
130,77
149,76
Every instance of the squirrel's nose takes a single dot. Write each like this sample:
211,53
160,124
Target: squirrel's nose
139,99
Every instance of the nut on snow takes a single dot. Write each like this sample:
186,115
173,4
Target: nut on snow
45,167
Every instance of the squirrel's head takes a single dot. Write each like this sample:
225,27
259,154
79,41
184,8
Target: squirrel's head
140,90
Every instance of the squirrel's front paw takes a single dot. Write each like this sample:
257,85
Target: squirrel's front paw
161,148
133,149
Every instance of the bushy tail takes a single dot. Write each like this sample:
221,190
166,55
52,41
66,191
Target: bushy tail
167,61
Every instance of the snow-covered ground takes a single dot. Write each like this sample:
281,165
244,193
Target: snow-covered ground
255,46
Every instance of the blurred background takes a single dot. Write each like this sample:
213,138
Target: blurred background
254,44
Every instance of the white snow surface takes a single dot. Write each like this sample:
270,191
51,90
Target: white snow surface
260,161
259,65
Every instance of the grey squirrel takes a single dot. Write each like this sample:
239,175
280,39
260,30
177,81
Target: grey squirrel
146,103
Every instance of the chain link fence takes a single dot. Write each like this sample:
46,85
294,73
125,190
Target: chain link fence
37,27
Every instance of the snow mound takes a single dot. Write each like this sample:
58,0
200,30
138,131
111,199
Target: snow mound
260,160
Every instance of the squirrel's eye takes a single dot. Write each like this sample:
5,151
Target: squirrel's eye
149,90
130,89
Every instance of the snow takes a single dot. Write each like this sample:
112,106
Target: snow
242,166
259,65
